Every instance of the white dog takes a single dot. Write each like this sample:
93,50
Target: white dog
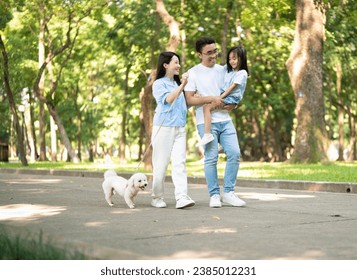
126,188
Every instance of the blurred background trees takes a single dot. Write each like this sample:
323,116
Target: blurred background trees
81,73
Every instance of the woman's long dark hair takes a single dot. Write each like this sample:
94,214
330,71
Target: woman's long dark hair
165,57
242,56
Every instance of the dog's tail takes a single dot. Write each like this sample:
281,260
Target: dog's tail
109,173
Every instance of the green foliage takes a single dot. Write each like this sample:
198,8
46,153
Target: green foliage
19,248
340,49
5,14
5,120
119,42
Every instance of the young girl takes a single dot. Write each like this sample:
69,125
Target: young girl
169,133
235,81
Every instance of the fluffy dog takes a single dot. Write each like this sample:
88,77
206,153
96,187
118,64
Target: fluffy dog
126,188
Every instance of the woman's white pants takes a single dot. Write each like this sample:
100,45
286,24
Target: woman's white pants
169,143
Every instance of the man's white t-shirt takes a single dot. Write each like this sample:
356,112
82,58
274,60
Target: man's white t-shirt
207,81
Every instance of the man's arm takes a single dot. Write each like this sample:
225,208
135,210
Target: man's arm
193,99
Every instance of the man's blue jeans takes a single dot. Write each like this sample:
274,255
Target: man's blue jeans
225,134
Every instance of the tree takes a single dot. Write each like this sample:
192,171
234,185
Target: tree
74,16
305,72
68,44
95,86
5,18
10,97
340,63
172,24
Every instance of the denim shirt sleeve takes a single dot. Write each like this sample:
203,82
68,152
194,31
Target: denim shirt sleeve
240,77
160,92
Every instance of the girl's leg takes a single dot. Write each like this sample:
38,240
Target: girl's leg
207,136
207,117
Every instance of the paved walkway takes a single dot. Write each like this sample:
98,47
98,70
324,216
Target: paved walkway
275,224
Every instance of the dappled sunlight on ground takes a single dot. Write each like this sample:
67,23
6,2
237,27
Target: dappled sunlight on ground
219,255
273,196
213,230
126,211
95,224
193,255
307,255
28,212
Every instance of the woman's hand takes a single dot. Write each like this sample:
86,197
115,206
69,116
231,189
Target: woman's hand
184,78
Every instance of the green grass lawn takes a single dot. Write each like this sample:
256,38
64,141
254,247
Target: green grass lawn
327,172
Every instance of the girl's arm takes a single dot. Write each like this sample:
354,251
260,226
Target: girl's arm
228,90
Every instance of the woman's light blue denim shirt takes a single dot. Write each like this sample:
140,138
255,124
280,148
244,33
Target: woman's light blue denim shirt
178,113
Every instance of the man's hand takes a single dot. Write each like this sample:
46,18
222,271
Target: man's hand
217,102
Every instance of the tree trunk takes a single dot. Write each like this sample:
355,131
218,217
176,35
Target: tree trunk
122,142
227,16
52,122
172,24
146,100
183,39
141,137
64,138
352,147
258,143
10,96
41,86
79,119
53,140
340,112
32,129
305,71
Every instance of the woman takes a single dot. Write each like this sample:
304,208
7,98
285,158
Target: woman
169,133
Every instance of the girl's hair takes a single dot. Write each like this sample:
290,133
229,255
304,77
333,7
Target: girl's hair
242,57
165,57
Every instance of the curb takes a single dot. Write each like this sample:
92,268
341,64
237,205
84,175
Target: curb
337,187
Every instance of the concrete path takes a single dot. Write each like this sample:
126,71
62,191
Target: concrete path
275,224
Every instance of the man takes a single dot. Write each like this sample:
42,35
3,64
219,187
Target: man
203,87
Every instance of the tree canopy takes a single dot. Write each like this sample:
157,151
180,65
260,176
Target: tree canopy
104,53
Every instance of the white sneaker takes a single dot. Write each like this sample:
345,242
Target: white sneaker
215,201
205,140
233,199
158,202
184,201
